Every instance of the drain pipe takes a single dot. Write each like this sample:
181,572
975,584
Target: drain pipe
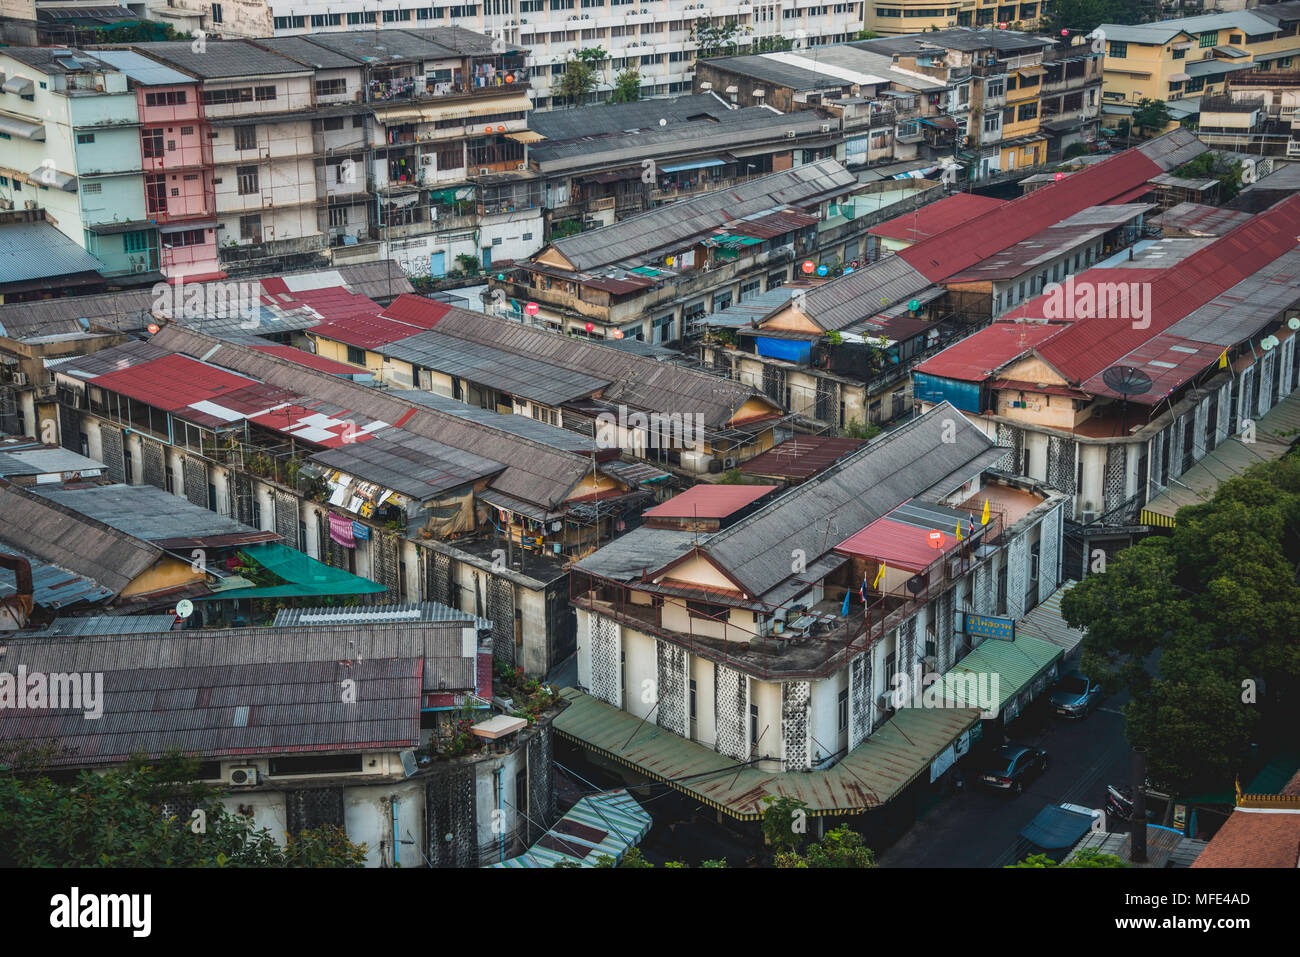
1138,835
500,821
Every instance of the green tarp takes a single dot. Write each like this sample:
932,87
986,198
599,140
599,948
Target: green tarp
303,574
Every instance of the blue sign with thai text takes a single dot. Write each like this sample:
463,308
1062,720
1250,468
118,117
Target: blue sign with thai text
986,626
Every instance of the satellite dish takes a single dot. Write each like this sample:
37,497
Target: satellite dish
916,584
1293,323
1267,343
1127,380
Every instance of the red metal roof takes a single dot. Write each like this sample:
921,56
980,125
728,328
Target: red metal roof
801,457
416,311
308,359
773,224
364,332
896,544
710,501
173,382
310,423
978,238
935,218
1129,195
1083,349
978,357
1169,361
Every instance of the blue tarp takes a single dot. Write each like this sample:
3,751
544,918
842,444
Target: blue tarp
962,395
1055,828
793,350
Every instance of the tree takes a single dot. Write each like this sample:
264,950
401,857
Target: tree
1084,16
140,816
784,822
1214,165
1217,600
841,847
1150,115
715,39
627,87
578,80
1088,857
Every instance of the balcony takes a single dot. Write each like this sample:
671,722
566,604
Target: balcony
408,90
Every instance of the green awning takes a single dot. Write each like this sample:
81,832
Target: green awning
304,576
1018,664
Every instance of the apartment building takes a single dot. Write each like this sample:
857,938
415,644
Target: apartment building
650,36
1179,61
993,101
921,16
1179,375
601,163
775,640
73,148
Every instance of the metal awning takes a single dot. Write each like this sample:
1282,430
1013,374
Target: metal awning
19,85
49,176
525,136
22,128
433,112
694,164
1045,622
1024,664
1179,77
599,825
1031,70
303,576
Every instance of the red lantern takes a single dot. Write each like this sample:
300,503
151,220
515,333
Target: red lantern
590,326
532,308
1059,176
617,333
153,327
1065,33
935,538
487,129
510,78
808,266
501,129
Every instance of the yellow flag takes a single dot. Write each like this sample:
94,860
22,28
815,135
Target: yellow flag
879,574
1223,360
984,519
959,529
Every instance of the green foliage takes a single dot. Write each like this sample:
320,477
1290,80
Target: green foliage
468,264
578,80
785,821
856,430
841,847
139,33
1215,165
715,40
627,87
1088,857
566,227
718,863
732,477
1083,16
1150,115
1218,600
1075,149
117,819
866,35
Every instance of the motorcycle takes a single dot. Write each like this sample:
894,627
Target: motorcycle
1119,802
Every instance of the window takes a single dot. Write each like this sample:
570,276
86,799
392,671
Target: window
1195,84
396,16
247,179
151,142
1026,111
1180,54
356,356
331,87
250,228
356,18
90,189
843,705
1118,50
994,88
135,242
186,237
692,699
992,122
327,19
753,724
165,98
339,216
216,13
245,137
1208,39
85,138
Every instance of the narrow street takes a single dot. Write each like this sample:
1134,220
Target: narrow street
979,828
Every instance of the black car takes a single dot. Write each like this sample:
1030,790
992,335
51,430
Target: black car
1010,766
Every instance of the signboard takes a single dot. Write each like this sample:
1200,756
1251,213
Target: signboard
987,626
360,531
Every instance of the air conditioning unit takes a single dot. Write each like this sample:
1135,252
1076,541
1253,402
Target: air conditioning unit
883,702
426,160
30,204
483,171
954,567
521,166
790,134
139,267
729,462
929,663
242,777
6,203
20,378
826,127
1087,517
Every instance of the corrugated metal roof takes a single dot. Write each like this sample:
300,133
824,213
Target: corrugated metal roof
675,226
523,426
640,550
60,536
710,501
221,59
1044,621
109,625
977,357
1199,219
859,295
39,251
413,465
1016,663
871,775
46,462
405,612
622,117
933,218
54,587
141,69
151,514
801,456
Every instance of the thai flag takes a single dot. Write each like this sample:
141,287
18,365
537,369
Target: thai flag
863,590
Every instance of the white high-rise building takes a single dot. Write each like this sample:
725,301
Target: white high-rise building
651,36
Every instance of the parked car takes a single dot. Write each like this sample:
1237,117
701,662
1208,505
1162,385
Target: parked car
1010,766
1075,696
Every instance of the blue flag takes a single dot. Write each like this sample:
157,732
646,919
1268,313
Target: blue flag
844,612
